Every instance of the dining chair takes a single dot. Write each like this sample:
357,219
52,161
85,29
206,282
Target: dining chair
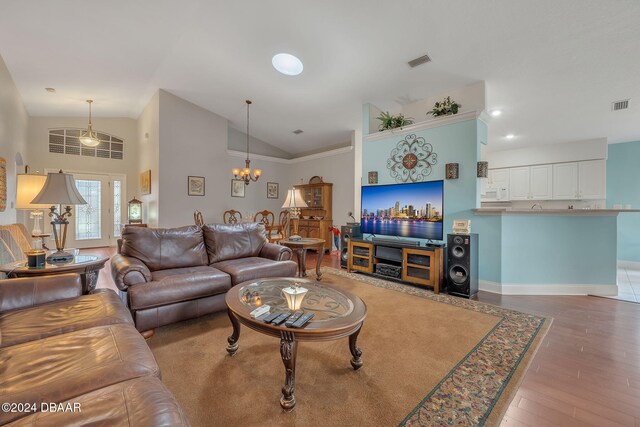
267,219
281,231
232,217
197,218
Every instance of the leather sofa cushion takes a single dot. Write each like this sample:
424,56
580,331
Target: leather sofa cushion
62,367
231,241
178,284
161,249
253,268
60,317
139,402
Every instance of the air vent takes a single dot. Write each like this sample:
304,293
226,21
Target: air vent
419,61
620,105
298,131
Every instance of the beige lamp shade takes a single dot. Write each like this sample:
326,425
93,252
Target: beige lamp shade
294,200
59,189
27,188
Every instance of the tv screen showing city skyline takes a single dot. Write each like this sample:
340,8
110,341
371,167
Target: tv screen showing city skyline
404,210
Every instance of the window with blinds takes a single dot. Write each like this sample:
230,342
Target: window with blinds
65,141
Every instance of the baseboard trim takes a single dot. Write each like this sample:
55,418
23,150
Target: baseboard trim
634,265
547,289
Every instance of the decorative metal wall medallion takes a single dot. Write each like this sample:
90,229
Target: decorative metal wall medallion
411,160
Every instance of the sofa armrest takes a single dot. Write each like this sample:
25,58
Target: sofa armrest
27,292
127,271
276,252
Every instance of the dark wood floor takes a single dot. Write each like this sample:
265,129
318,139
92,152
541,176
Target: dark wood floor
587,371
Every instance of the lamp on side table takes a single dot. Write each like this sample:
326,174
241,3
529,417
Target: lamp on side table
294,202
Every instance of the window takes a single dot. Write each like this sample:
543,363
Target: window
88,216
65,141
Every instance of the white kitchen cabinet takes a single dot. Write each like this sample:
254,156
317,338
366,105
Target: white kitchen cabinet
592,180
498,178
531,182
565,181
541,182
519,183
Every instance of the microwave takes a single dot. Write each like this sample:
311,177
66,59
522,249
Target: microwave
495,194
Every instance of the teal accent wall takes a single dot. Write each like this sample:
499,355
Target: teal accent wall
623,187
558,249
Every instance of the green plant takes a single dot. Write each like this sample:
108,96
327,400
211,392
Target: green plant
388,121
445,108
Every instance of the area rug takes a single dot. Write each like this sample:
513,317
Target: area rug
428,360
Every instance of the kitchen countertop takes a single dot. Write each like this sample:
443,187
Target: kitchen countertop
568,212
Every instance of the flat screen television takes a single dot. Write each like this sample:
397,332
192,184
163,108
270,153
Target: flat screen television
404,210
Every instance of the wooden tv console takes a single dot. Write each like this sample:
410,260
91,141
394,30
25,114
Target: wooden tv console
391,260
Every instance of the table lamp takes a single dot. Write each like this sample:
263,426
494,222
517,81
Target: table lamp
59,189
293,203
27,187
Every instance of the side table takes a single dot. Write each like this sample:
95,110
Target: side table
300,247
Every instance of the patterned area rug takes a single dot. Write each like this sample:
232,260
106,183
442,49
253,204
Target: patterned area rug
481,386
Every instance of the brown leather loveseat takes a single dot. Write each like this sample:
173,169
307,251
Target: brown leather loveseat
169,275
72,359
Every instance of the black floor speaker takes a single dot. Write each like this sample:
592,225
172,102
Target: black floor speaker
347,232
462,265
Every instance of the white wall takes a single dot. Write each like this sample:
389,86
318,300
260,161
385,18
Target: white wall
545,154
13,137
238,142
148,129
334,168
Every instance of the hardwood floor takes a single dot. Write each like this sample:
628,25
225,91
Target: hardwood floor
587,371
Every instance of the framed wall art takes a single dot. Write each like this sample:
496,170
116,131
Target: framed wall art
195,185
272,190
373,177
145,182
3,184
237,188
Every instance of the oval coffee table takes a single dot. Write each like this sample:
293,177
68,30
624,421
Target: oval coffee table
337,314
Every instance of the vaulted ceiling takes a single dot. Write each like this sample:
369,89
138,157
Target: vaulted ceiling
552,66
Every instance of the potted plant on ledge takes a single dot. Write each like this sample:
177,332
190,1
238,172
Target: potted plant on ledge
445,108
388,121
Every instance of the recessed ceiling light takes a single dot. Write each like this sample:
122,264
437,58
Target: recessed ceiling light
287,64
496,113
510,136
50,89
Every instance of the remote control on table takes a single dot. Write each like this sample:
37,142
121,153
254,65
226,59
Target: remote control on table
280,319
271,316
302,321
293,318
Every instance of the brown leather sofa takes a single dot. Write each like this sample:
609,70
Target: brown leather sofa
169,275
80,353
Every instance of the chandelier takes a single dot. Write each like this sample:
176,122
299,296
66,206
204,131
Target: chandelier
245,174
89,138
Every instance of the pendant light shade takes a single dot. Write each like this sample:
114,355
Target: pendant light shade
89,137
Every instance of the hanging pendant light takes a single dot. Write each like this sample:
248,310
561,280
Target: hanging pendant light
89,138
245,174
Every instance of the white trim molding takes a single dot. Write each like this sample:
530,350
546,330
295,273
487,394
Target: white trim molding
329,153
428,124
548,289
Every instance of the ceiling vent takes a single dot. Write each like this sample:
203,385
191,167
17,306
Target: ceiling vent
419,61
298,131
620,105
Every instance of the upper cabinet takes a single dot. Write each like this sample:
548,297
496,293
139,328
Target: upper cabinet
592,180
565,181
531,182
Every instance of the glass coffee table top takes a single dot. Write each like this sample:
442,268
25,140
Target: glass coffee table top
78,261
326,303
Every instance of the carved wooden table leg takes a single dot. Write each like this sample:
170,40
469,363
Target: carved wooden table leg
288,351
233,338
356,361
319,261
301,255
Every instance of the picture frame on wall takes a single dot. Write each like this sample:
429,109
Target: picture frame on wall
373,177
195,185
237,188
145,182
272,190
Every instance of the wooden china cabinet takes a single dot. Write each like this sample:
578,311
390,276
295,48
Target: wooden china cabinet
319,199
